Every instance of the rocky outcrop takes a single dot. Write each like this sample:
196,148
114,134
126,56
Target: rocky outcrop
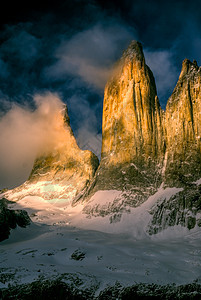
61,174
183,128
183,209
132,130
9,219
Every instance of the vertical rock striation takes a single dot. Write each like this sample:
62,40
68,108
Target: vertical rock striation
132,117
183,128
132,129
182,164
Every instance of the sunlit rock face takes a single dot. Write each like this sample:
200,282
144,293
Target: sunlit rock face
61,173
183,128
143,147
132,117
182,163
132,128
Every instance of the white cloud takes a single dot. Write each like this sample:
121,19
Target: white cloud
91,53
24,134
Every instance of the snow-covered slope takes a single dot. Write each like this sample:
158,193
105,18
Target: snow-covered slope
106,211
95,250
97,258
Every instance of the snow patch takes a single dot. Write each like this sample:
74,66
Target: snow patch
198,182
52,192
104,197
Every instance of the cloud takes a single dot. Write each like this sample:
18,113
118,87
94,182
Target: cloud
20,45
89,139
188,43
91,53
20,51
24,134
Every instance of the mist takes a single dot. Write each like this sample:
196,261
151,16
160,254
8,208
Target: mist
25,134
90,54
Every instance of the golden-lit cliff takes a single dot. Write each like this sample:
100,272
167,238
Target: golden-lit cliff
183,128
144,148
132,116
133,144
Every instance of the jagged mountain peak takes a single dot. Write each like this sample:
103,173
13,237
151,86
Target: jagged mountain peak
134,50
66,116
131,60
188,67
142,146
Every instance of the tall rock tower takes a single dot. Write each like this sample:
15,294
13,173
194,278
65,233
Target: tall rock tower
133,141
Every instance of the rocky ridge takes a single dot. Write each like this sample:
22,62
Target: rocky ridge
61,174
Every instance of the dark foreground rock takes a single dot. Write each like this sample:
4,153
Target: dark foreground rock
10,219
57,289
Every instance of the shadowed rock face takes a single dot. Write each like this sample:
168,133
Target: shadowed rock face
181,209
133,139
9,219
64,172
183,128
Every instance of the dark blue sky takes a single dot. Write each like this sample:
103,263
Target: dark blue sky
69,47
